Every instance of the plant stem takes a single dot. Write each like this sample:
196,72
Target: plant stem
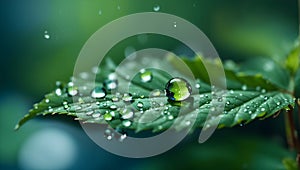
291,132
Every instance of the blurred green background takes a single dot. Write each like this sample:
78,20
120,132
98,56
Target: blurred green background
40,42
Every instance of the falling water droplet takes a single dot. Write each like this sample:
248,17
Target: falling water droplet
146,76
178,89
46,35
98,92
156,8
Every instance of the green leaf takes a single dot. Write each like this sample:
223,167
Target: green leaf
292,61
141,104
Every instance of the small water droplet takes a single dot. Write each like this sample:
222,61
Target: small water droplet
98,92
244,87
140,104
119,7
146,76
126,123
113,107
115,99
89,113
263,90
127,113
170,117
227,103
50,109
262,109
100,12
96,115
110,84
178,89
257,88
278,103
127,97
46,35
107,116
198,85
123,137
47,100
72,91
175,24
156,8
108,134
58,92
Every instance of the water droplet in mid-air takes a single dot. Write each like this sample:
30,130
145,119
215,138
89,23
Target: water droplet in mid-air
156,8
98,92
46,35
178,89
146,76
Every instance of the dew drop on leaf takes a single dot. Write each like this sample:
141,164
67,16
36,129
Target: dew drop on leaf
72,91
146,75
107,116
126,123
140,104
178,89
127,97
127,113
113,107
98,92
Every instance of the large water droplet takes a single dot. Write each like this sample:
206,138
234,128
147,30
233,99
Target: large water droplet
178,89
156,8
146,75
98,92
